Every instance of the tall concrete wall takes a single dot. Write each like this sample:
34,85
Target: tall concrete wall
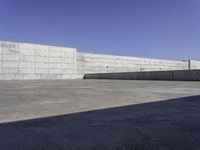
194,64
95,63
33,61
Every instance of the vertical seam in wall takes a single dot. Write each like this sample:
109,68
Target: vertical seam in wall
2,61
48,63
74,63
62,57
19,67
189,64
34,76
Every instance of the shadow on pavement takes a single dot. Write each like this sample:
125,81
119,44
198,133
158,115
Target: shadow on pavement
163,125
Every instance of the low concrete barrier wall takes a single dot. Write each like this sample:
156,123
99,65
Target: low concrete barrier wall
178,75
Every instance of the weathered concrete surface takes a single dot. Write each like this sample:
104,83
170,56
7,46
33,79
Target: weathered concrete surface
178,75
20,61
98,63
134,117
194,64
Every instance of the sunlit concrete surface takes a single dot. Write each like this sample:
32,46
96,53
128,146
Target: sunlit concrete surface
99,114
20,100
23,61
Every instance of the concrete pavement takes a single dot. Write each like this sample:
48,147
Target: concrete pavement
99,114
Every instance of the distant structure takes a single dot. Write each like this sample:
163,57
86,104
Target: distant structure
33,61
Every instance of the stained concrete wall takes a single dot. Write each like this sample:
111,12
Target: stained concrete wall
178,75
95,63
194,64
34,61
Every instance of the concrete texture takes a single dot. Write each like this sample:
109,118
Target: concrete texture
99,114
34,61
96,63
194,64
178,75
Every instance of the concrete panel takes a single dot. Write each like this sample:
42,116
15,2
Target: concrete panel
26,46
56,52
27,58
68,71
68,76
7,57
55,71
179,75
10,44
30,71
41,76
95,63
165,75
11,76
35,61
29,52
40,61
12,64
11,70
54,76
10,51
39,47
41,71
41,65
194,64
1,63
24,64
191,75
55,65
26,76
55,60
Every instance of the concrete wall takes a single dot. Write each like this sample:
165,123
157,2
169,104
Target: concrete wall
194,64
179,75
95,63
33,61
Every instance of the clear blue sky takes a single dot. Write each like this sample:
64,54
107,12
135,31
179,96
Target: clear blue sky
146,28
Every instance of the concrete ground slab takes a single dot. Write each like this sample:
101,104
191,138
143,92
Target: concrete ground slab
99,114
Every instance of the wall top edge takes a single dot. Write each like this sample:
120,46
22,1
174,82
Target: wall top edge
196,60
14,42
85,53
121,56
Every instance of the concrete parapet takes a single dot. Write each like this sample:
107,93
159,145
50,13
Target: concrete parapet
178,75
